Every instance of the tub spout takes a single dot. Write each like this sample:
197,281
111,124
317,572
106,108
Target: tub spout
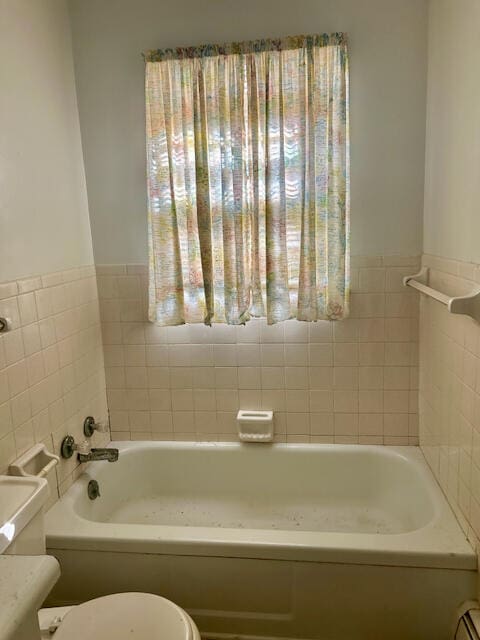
111,455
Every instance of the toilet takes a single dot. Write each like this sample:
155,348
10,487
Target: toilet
121,616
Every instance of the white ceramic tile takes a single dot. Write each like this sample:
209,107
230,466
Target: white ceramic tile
204,399
297,332
321,331
8,290
346,424
296,378
296,355
224,355
248,355
159,377
345,354
371,280
346,377
297,400
226,377
321,377
325,366
370,401
321,355
179,355
298,423
322,424
27,308
157,355
13,346
31,339
371,377
227,400
249,377
9,309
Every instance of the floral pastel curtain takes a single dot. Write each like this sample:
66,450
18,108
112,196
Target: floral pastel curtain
248,181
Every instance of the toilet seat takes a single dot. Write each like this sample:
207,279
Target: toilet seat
132,616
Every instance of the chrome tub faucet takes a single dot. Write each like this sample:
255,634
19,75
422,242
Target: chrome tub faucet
85,452
110,455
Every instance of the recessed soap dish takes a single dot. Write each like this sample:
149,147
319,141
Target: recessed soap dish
255,426
37,461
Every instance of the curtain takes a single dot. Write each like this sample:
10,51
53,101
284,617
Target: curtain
248,181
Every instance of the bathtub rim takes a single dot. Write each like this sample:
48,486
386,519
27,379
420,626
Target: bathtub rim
439,544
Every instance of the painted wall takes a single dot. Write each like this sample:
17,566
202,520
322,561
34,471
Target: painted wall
51,360
452,186
44,223
388,86
449,353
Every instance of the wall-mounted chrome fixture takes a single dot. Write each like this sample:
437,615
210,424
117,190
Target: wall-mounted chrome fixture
93,490
90,426
5,325
85,452
69,447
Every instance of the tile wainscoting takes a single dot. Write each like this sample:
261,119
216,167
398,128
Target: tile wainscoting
449,396
51,366
353,381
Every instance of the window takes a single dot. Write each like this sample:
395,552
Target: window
248,181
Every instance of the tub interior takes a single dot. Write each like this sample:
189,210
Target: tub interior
258,487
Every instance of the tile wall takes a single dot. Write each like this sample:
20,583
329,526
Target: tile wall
51,366
353,381
450,391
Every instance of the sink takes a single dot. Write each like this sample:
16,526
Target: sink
26,575
20,500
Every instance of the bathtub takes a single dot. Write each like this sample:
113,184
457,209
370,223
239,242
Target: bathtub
270,541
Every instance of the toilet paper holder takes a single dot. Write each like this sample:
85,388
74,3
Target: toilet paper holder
37,461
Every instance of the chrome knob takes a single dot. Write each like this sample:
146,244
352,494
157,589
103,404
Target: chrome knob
90,426
5,324
68,447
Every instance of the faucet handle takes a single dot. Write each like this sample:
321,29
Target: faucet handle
101,427
89,426
69,446
83,447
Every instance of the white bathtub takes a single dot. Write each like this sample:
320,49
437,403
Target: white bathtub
291,541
